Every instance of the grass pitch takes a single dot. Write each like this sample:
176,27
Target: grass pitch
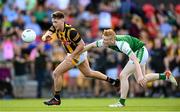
92,105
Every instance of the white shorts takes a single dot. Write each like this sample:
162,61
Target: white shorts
142,55
81,59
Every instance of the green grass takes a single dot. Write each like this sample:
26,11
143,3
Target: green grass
91,105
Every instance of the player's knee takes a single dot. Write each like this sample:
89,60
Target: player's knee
123,76
55,74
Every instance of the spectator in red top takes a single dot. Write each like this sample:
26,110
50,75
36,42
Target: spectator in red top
148,10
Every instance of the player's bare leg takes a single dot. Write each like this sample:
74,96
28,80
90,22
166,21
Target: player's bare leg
86,70
126,72
129,69
58,81
167,75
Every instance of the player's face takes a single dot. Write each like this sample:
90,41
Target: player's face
58,23
108,40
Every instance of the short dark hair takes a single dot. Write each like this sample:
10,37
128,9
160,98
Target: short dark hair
57,14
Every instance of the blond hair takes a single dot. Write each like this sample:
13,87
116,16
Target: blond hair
109,32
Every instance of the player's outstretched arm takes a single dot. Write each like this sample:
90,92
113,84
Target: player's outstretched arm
47,36
89,46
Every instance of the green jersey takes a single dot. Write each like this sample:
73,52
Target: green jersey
124,43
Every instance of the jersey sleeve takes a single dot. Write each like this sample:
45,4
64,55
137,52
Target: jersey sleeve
52,29
124,47
99,43
74,36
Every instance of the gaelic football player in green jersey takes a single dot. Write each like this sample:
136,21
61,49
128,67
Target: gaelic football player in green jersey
138,56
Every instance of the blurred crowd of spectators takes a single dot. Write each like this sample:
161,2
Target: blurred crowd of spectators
157,26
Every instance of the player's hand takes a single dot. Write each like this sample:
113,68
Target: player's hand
46,38
69,59
142,81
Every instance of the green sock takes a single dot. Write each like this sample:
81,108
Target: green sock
122,101
162,76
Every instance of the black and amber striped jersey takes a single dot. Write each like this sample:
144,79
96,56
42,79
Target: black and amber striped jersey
69,37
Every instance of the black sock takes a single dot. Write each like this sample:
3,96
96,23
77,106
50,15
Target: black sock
57,95
112,81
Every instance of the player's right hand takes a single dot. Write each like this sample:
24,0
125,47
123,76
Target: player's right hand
142,81
46,38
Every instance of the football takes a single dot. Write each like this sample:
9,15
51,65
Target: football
28,35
